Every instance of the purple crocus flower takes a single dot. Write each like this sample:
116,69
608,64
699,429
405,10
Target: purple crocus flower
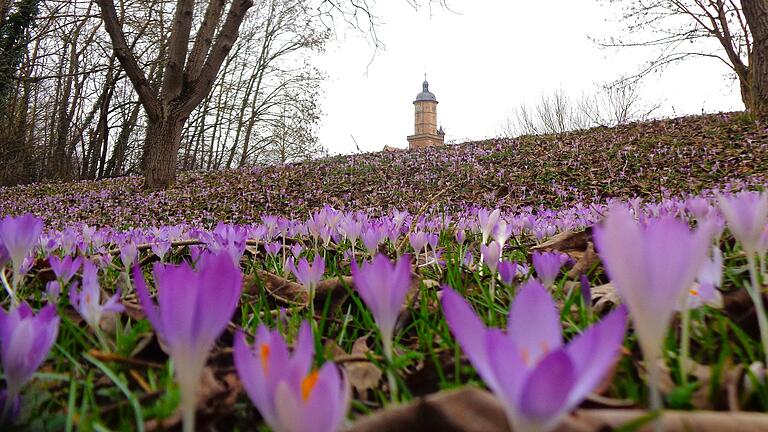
537,377
491,255
460,237
652,266
288,394
20,235
194,307
547,265
747,216
272,248
418,241
507,272
161,248
468,259
53,291
503,232
129,254
487,222
87,301
383,287
25,339
195,252
308,275
371,240
709,278
64,268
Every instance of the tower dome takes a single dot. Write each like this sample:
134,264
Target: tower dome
425,94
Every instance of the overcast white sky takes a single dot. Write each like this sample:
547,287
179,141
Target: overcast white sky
482,61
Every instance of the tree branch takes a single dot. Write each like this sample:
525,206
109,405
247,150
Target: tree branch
178,44
203,40
224,42
147,95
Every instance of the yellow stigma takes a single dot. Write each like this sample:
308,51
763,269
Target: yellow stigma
694,292
307,384
264,353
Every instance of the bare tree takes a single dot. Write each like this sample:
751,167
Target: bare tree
718,29
557,112
554,113
187,78
615,105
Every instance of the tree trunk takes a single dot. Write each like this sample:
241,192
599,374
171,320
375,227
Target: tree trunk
756,14
161,147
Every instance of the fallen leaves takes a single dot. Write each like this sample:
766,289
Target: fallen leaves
475,410
289,293
362,374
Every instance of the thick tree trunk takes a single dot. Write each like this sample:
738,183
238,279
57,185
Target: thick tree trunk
161,147
745,85
756,13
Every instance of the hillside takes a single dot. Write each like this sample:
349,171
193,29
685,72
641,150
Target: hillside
679,155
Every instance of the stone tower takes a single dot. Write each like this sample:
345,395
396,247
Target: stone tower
426,133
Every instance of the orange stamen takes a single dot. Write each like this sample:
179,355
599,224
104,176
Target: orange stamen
264,357
526,356
307,384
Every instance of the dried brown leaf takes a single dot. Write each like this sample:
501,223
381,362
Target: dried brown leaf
362,375
567,241
471,410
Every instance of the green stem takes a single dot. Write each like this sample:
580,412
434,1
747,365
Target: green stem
685,345
102,340
312,307
492,299
757,298
393,390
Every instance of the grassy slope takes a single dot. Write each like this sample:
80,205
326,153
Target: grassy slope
683,155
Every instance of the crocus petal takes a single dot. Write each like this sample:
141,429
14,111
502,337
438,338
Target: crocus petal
221,286
177,293
147,305
507,368
325,405
305,348
468,330
290,416
252,377
594,352
534,322
545,392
